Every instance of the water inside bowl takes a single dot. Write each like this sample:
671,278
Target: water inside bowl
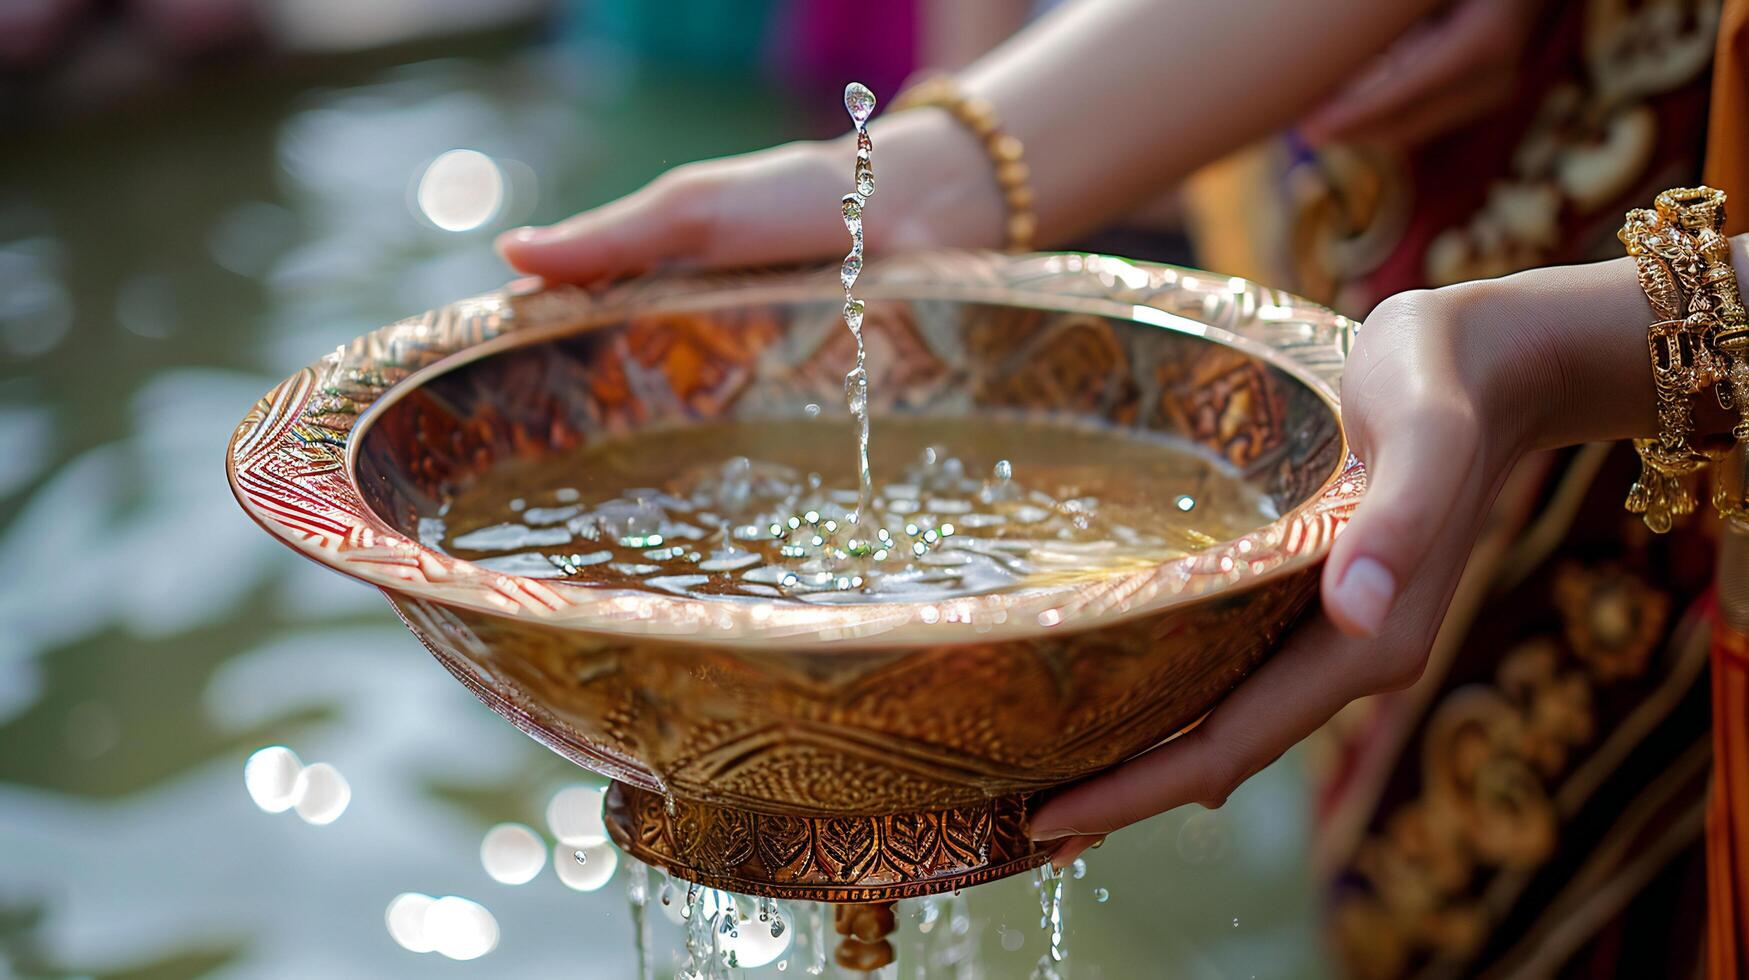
963,505
683,451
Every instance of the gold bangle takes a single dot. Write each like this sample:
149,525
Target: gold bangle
1006,153
1701,213
1700,339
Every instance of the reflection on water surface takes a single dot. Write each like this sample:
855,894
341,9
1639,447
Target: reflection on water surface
159,269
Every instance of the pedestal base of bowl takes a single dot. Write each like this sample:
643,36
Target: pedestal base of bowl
838,859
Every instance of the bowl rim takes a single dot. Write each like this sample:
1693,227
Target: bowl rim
292,460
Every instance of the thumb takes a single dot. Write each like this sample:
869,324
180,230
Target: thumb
1419,465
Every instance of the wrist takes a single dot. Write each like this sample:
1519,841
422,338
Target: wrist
936,181
1561,354
1572,344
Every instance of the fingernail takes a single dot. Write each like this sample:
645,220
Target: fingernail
1041,836
1365,594
527,235
1065,854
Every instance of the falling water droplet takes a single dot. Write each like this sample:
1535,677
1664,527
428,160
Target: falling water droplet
859,102
1053,918
580,857
817,940
637,897
1100,895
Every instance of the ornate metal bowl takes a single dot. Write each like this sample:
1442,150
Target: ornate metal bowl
847,753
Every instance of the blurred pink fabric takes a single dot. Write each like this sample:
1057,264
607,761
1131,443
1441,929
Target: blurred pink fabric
819,45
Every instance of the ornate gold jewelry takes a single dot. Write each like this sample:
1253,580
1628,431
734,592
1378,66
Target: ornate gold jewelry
1701,338
1005,150
1701,212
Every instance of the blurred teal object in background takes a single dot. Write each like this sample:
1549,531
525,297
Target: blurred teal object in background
806,45
685,35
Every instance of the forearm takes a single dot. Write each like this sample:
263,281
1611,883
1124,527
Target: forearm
958,33
1115,99
1567,351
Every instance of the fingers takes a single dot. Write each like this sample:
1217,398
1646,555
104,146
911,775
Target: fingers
1287,698
1374,94
1069,848
1421,463
1437,114
630,235
1296,691
773,206
1417,422
1469,43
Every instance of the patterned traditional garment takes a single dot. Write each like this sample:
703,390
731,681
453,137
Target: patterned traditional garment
1610,108
1537,805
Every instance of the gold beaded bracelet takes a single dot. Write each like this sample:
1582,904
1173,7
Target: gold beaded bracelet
1700,340
1005,150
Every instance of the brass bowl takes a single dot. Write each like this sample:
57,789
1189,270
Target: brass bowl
847,753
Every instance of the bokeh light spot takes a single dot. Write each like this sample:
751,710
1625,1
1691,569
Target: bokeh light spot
574,816
405,918
271,776
596,868
512,853
461,190
322,794
460,929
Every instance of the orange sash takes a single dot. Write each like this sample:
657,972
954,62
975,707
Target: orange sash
1727,825
1727,152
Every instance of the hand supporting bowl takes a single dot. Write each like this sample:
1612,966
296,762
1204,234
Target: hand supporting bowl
846,753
